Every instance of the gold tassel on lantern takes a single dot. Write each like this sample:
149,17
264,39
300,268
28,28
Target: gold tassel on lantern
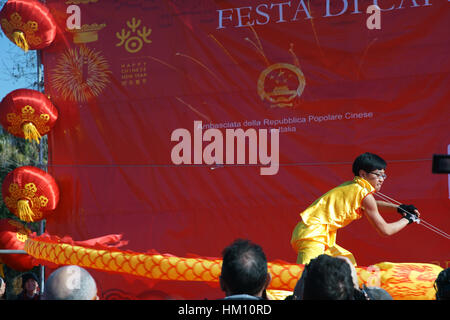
20,41
24,211
30,132
30,193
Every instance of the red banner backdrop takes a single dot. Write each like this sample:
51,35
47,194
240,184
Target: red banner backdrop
138,70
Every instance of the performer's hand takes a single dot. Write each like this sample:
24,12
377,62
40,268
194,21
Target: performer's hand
409,212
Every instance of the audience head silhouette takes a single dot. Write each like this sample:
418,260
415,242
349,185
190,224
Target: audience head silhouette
70,283
244,269
328,278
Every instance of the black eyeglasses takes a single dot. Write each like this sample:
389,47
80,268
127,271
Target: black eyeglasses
379,175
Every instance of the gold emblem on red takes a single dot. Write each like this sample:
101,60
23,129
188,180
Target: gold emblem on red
29,24
22,232
27,193
29,28
280,84
28,114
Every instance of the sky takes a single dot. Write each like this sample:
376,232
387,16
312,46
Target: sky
7,52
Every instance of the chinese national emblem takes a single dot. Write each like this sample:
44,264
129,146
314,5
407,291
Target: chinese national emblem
280,84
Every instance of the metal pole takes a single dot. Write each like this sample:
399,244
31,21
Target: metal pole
41,230
41,158
8,251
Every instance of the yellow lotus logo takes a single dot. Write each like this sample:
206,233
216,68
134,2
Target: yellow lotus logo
133,39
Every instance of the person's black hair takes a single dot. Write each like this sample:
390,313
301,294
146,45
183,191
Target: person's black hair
442,285
244,267
328,278
359,294
377,293
368,162
28,276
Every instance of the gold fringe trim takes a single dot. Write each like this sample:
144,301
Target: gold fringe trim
24,211
20,40
30,132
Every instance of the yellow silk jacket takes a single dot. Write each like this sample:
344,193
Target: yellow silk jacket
333,210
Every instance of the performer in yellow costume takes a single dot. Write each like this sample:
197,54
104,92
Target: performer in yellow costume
315,234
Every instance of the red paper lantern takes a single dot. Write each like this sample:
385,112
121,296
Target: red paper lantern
28,23
30,193
12,237
28,114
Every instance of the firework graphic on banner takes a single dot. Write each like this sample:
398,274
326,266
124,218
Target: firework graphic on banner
80,74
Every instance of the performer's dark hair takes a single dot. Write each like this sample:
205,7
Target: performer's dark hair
244,267
368,162
328,278
442,285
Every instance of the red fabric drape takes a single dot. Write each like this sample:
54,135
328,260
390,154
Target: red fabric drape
160,66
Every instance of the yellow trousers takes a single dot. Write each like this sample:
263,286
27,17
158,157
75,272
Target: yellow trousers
311,241
312,249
